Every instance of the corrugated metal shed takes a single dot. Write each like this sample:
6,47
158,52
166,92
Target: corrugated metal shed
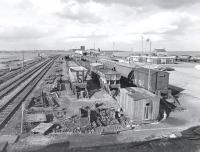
139,104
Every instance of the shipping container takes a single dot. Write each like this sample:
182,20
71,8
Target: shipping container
139,104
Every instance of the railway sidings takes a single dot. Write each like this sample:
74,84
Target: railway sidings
32,77
12,74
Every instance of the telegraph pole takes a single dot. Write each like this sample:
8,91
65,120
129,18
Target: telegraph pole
113,46
149,76
23,59
94,44
142,46
22,118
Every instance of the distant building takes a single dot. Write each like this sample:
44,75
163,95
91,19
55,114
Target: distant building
80,51
153,59
159,52
184,58
158,56
83,48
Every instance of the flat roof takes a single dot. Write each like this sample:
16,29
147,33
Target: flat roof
108,71
154,57
78,68
42,128
95,64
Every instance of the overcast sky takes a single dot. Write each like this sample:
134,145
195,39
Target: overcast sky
65,24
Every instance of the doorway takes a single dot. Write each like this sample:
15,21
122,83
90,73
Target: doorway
147,111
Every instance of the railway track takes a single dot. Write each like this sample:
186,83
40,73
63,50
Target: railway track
7,87
11,106
12,74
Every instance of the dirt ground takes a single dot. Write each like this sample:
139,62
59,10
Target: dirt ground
13,127
185,77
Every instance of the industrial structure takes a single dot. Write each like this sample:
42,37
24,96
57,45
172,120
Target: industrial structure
153,59
157,81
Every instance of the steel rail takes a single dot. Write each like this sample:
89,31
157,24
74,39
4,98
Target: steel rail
13,104
8,87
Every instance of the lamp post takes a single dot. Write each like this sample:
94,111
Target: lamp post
149,75
142,48
113,46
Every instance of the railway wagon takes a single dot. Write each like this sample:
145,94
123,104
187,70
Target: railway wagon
123,68
158,81
138,75
108,79
77,79
85,64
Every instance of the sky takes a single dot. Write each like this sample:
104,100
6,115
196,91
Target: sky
105,24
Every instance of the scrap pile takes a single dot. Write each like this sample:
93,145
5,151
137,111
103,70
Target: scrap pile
39,113
92,120
50,79
44,100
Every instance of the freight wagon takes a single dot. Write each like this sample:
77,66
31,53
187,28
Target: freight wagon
108,79
153,80
123,68
77,79
137,75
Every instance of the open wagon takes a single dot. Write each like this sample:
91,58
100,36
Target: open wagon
78,83
108,79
